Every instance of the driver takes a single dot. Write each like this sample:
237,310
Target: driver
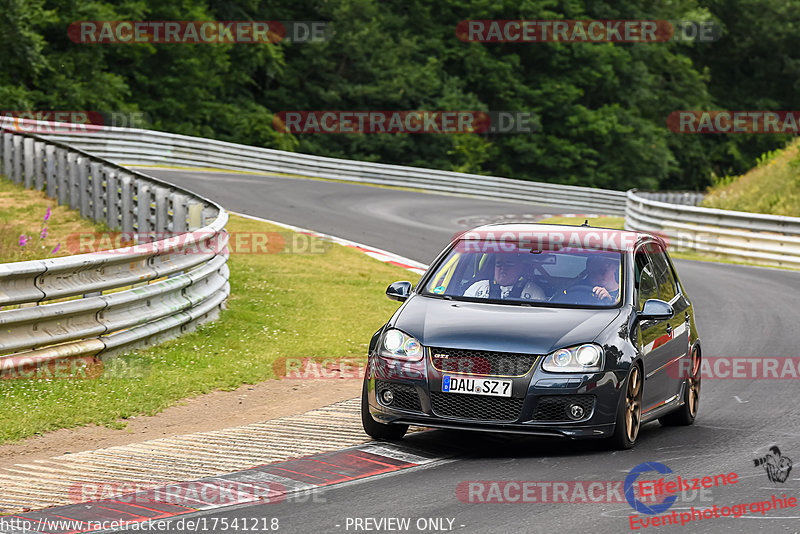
602,277
509,281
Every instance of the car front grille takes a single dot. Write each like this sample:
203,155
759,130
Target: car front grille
554,407
481,362
405,395
476,407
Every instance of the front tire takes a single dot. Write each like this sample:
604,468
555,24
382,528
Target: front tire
629,412
375,429
686,414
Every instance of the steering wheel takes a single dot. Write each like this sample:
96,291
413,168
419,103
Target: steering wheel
582,294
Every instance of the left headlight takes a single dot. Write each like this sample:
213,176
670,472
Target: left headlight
580,358
401,346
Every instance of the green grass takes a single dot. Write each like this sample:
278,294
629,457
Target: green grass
324,305
772,187
22,211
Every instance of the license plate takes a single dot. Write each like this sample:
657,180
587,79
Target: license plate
476,386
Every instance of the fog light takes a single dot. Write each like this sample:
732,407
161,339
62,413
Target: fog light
387,396
575,412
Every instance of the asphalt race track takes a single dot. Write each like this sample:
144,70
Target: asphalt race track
741,311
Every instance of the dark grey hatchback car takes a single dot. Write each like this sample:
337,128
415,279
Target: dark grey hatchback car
546,330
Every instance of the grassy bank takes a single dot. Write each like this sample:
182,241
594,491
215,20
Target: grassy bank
322,305
29,232
773,186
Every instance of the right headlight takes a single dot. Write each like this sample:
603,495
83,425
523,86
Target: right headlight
580,358
401,346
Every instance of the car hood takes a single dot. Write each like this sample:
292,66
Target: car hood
497,327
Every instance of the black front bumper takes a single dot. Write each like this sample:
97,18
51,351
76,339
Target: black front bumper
538,406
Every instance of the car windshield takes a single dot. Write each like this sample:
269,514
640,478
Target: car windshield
548,276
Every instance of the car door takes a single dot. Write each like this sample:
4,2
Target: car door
652,335
677,327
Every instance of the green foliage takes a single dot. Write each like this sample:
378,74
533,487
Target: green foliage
766,157
601,108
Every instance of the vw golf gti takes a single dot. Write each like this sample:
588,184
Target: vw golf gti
545,330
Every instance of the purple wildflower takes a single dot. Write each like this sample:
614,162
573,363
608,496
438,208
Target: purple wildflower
23,240
47,215
56,249
44,233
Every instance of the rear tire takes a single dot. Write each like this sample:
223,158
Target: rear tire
629,412
375,429
686,414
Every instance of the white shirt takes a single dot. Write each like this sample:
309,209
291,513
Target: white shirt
480,289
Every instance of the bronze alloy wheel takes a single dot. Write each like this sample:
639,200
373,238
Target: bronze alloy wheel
694,385
633,404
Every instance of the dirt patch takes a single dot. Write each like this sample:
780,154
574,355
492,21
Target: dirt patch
214,411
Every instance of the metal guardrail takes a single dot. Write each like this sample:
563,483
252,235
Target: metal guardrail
176,282
686,198
739,236
145,147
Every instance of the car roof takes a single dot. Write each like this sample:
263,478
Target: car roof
610,238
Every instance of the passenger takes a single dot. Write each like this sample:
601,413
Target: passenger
510,281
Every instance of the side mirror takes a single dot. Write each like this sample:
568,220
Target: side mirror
656,310
399,291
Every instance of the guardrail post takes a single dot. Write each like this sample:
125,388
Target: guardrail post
5,149
112,200
98,198
16,165
162,210
39,165
8,155
126,209
51,181
144,219
63,166
179,205
27,159
73,161
85,197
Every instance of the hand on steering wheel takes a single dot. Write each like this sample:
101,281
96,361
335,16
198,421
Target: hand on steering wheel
601,293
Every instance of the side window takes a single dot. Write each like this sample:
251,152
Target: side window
663,273
646,281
